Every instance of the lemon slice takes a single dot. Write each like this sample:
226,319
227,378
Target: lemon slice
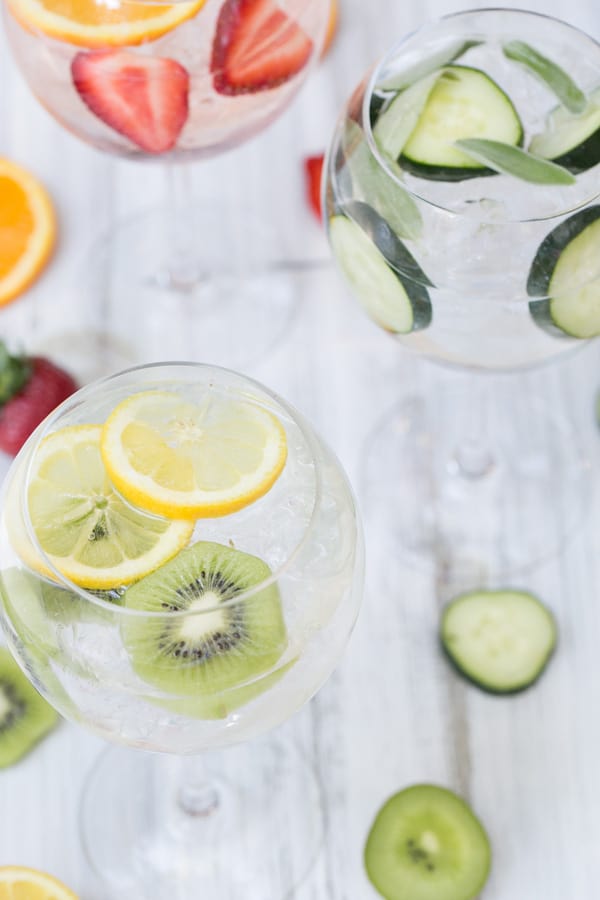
19,883
89,23
85,528
179,459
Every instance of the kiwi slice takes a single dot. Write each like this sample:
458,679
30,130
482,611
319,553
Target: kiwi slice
426,844
219,706
25,717
220,654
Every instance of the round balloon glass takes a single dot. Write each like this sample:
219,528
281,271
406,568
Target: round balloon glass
176,82
182,567
462,200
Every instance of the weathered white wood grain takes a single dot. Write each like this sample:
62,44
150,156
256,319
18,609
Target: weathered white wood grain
394,713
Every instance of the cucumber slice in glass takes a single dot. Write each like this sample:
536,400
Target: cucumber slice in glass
427,844
565,276
466,104
572,141
501,640
383,273
397,122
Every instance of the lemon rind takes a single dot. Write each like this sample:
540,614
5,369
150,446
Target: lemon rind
142,491
167,546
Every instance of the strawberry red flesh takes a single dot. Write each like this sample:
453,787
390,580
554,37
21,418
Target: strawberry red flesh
144,98
256,47
313,170
21,412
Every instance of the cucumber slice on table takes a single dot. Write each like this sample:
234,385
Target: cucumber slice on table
384,274
572,141
463,103
501,640
565,276
426,844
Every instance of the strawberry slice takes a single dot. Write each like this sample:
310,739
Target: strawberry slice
256,47
144,98
313,169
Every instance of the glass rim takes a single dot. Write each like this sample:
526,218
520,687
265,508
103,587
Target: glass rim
395,51
44,429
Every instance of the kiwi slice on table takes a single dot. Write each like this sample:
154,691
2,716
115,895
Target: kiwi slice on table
220,656
426,844
25,717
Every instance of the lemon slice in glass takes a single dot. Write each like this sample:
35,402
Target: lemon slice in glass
81,523
187,460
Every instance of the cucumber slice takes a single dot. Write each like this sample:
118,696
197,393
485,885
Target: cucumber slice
426,844
394,126
572,141
565,275
383,273
501,640
465,104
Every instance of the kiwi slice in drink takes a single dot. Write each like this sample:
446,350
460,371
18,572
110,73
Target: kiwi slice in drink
25,717
223,653
426,844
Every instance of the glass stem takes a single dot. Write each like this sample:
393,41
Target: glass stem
473,457
183,270
198,796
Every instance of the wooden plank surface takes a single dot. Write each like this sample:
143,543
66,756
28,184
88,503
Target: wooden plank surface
393,713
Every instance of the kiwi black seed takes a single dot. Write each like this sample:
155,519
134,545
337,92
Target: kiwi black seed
25,717
427,844
222,644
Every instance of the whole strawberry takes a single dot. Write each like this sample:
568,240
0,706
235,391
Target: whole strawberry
30,388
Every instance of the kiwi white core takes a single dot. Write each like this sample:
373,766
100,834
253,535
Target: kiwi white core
5,705
194,628
429,842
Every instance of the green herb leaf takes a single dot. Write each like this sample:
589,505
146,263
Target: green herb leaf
512,160
371,183
424,67
15,372
396,123
561,84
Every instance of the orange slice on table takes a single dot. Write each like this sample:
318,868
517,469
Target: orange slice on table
20,883
90,23
27,229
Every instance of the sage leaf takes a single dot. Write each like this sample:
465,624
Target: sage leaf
396,123
374,185
402,80
555,78
512,160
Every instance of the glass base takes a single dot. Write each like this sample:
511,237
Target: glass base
473,514
222,290
252,827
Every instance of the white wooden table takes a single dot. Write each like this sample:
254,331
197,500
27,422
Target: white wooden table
394,713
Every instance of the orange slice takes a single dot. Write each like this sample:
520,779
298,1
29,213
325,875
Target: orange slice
27,229
19,883
332,25
89,23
